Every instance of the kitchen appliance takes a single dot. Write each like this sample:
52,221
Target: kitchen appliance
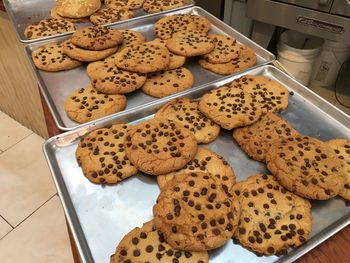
329,19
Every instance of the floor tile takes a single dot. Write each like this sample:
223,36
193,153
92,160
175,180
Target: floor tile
41,238
11,131
4,227
26,181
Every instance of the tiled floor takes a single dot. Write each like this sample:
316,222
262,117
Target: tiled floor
32,223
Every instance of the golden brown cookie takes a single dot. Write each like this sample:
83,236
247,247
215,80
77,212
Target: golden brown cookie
48,27
146,244
87,104
158,147
156,6
230,107
195,213
272,96
124,4
110,15
166,83
257,138
54,14
185,112
306,167
205,161
77,8
101,155
272,219
341,148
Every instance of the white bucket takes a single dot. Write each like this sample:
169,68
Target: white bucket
328,64
297,52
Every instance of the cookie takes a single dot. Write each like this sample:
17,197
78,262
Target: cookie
185,112
108,79
87,104
77,8
156,6
159,147
205,161
230,107
51,58
147,244
110,15
176,61
226,49
165,83
101,155
48,27
96,38
54,14
131,38
86,55
190,44
257,138
144,58
246,59
341,148
272,96
125,4
306,167
272,219
194,212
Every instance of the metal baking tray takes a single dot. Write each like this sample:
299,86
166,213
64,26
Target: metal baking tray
25,12
99,216
57,86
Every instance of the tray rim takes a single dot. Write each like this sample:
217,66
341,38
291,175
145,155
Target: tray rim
290,257
11,15
53,110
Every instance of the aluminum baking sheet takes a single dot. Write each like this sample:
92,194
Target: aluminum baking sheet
25,12
100,216
56,86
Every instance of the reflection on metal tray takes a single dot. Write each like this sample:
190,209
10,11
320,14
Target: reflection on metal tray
57,86
100,216
25,12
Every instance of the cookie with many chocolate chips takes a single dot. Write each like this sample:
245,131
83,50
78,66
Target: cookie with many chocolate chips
48,27
341,148
246,59
86,55
156,6
176,61
257,138
124,4
96,38
230,107
205,161
165,83
273,96
54,14
131,38
185,112
77,8
144,58
87,104
195,213
226,49
158,147
51,58
110,15
306,167
190,44
272,219
108,79
147,244
101,155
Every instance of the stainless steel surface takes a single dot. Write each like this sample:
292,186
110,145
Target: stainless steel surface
25,12
322,5
100,216
341,7
316,23
58,85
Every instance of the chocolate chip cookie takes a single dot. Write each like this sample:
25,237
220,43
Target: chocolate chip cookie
124,4
110,15
131,38
48,27
156,6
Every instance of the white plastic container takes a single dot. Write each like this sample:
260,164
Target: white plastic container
328,64
298,52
